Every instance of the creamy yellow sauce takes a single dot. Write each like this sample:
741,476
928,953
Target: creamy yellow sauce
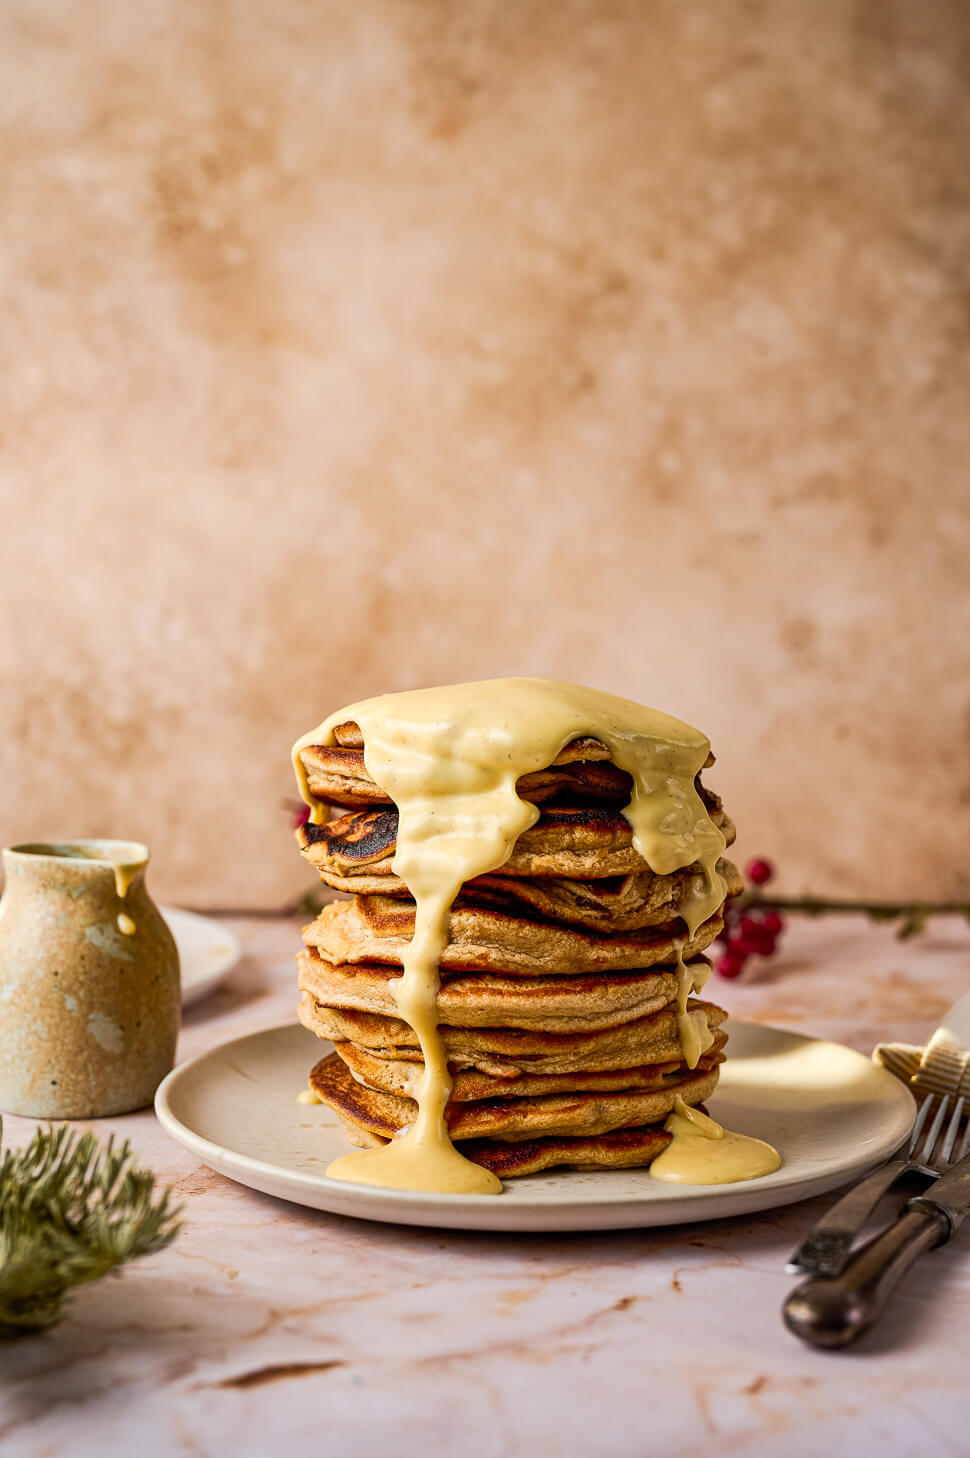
692,1026
449,758
307,1096
702,1153
124,873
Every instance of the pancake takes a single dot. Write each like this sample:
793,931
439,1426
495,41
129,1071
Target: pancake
511,1052
546,1004
578,842
337,774
401,1076
605,905
620,1149
569,1114
377,929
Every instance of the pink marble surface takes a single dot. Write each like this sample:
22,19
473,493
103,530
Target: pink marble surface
267,1328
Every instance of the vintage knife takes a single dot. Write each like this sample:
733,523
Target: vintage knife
831,1311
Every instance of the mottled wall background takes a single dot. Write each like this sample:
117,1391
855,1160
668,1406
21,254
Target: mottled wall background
357,344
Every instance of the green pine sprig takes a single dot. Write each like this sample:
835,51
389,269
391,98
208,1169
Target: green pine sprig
71,1210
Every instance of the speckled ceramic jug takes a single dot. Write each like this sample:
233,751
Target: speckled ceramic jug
89,981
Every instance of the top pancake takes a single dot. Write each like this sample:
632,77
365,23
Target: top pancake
337,775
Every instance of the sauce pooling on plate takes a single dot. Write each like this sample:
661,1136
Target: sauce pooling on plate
449,758
702,1153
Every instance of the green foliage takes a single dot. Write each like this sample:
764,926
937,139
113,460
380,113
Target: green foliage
913,923
309,903
70,1211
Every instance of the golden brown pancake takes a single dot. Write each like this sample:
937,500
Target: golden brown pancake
401,1076
549,1004
337,775
377,929
511,1052
576,842
605,905
570,1114
620,1149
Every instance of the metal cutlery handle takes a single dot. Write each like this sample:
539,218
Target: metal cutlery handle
833,1311
825,1249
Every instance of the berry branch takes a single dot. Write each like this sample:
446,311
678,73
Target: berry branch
753,921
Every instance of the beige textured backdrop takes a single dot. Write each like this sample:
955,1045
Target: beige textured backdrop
350,346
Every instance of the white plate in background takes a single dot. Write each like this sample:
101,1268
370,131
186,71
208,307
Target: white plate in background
207,951
830,1111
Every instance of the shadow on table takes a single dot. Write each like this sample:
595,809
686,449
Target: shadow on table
246,983
761,972
760,1243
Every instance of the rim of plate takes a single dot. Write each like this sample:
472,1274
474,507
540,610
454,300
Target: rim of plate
766,1192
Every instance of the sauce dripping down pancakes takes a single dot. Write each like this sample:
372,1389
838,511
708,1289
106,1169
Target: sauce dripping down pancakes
450,759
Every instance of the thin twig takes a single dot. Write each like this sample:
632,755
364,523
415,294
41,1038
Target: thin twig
912,914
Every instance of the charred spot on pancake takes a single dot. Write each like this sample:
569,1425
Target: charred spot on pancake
361,835
594,779
555,813
309,834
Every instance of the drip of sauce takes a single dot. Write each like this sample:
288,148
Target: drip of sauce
449,759
124,873
702,1153
307,1096
695,1035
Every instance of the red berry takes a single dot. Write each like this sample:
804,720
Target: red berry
300,817
762,946
759,871
730,965
772,922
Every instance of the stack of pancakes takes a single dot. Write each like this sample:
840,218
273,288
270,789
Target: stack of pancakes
558,991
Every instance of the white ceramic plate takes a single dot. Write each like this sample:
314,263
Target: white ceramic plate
207,951
830,1111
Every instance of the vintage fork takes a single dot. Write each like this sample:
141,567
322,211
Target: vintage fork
831,1311
827,1246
